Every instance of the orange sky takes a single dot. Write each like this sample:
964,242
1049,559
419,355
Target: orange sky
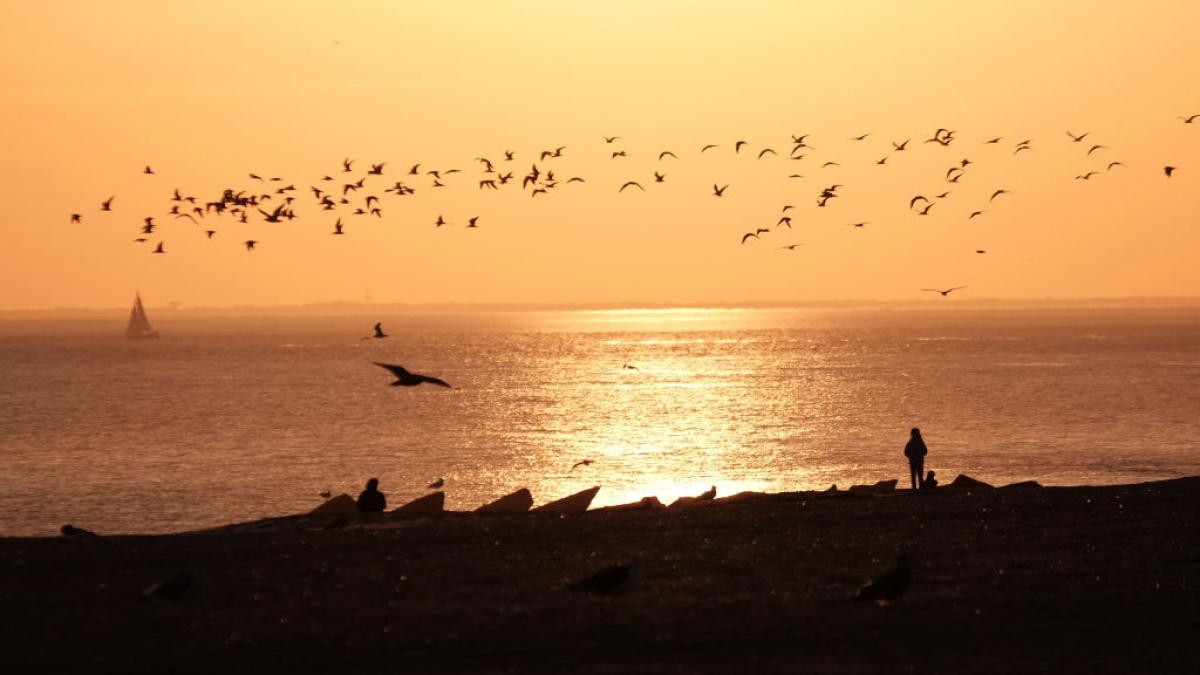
206,92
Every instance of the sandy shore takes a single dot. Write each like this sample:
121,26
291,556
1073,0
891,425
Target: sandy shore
1082,579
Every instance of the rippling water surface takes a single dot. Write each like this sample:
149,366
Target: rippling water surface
227,419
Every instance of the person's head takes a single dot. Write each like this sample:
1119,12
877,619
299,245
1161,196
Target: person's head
930,475
916,433
373,484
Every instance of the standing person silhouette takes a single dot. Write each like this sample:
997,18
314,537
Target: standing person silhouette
371,499
915,451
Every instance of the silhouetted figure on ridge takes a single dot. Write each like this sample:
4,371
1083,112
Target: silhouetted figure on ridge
372,500
930,481
915,451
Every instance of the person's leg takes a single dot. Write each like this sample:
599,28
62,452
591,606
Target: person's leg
912,473
920,472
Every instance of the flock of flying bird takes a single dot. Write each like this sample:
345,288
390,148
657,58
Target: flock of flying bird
349,194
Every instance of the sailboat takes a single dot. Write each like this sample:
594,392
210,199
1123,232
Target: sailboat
139,326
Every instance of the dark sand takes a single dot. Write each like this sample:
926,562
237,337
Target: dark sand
1086,579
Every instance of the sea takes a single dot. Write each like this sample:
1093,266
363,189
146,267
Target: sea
229,418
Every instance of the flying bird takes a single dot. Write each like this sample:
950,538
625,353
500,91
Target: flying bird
737,147
407,379
471,222
1078,139
633,183
250,244
709,147
582,462
997,193
1095,148
106,205
148,171
1112,164
889,587
666,153
610,139
76,218
159,248
659,177
748,235
765,151
945,292
1169,170
860,138
975,213
1189,119
719,191
337,227
900,146
791,247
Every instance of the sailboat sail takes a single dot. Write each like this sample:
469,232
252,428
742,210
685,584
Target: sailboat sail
139,325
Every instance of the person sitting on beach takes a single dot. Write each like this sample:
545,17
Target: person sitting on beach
915,451
371,500
930,481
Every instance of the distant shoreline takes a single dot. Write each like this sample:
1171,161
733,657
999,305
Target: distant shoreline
363,308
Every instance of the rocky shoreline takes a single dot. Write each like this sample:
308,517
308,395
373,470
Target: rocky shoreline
1079,579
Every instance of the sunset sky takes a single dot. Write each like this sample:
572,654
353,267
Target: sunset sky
207,92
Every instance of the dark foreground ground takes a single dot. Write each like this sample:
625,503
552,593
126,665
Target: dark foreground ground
1088,579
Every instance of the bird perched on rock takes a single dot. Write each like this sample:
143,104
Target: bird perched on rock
436,484
889,587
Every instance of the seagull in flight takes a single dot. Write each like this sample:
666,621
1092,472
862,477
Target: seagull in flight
997,193
1169,170
719,191
1190,119
582,462
945,292
407,379
106,205
632,183
1080,138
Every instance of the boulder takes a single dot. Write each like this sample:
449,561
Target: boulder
342,503
965,482
576,503
517,502
643,504
1023,486
883,487
431,503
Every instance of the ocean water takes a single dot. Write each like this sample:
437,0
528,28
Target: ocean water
235,418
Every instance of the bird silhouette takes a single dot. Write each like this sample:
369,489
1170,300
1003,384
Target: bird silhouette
997,193
889,587
710,146
407,379
1078,139
159,248
148,170
582,462
379,334
631,183
106,205
666,153
436,484
748,235
1169,170
975,214
791,247
765,151
250,244
76,218
719,191
1095,148
608,581
610,139
945,292
737,147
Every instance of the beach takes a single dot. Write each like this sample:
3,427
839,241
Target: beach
1018,579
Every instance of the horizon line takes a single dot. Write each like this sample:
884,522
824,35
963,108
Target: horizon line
353,306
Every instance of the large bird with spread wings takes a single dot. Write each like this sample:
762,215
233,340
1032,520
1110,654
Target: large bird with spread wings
407,379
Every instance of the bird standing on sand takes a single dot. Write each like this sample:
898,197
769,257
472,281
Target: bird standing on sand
379,334
889,587
607,581
407,379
